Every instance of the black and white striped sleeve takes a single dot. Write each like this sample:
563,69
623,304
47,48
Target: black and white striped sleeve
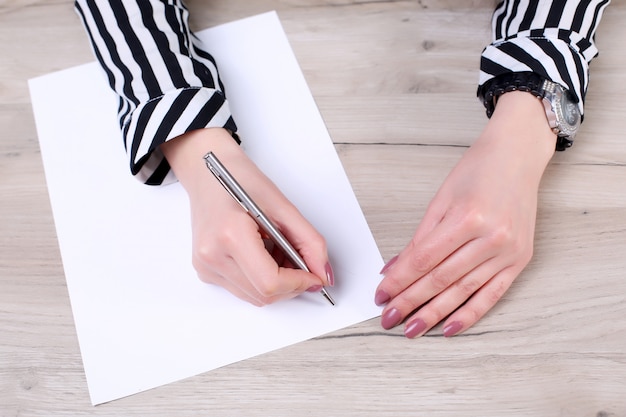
553,38
166,82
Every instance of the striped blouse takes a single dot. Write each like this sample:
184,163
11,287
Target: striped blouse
168,84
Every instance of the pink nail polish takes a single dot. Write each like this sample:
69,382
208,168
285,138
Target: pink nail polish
330,275
415,328
388,265
391,319
381,298
452,328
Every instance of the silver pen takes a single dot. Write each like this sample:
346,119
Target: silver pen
244,200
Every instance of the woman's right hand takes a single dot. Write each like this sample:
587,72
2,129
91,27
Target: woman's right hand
229,249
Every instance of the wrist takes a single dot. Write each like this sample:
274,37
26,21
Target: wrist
518,132
522,118
185,155
561,106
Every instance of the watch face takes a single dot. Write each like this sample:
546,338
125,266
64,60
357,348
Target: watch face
571,115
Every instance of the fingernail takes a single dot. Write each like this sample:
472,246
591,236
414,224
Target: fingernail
388,265
315,288
330,275
391,319
381,298
414,328
452,328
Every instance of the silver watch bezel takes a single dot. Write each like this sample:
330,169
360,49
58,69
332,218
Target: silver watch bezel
554,96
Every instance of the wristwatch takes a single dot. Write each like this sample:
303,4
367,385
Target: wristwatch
562,111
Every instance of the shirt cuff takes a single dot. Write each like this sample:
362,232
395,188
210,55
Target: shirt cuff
166,117
559,55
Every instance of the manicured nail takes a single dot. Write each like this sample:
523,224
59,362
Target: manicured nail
330,275
452,328
391,318
415,328
315,288
388,265
381,298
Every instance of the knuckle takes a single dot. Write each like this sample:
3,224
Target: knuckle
393,282
439,279
317,242
420,261
504,235
520,247
495,292
473,220
267,289
207,262
227,237
467,287
435,313
204,254
473,315
406,304
315,246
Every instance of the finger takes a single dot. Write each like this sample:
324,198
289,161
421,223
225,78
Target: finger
261,270
419,259
239,285
434,215
423,289
480,303
456,266
307,241
235,290
214,266
239,254
214,262
441,306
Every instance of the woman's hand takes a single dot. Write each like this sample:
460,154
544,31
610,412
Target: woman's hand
229,250
478,231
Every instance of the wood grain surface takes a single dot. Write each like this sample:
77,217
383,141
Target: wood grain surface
395,82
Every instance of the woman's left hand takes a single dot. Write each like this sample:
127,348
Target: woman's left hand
478,231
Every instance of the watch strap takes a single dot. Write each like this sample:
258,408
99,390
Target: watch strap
516,81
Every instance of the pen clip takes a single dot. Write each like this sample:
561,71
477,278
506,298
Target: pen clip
218,176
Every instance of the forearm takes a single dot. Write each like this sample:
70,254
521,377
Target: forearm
166,83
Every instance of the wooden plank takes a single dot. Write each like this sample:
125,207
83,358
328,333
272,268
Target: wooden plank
395,82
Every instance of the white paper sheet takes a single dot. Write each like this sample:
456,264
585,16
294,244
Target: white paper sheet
143,318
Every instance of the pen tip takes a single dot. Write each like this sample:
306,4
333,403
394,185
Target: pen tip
327,296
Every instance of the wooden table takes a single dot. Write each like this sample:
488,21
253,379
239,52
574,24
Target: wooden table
395,82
